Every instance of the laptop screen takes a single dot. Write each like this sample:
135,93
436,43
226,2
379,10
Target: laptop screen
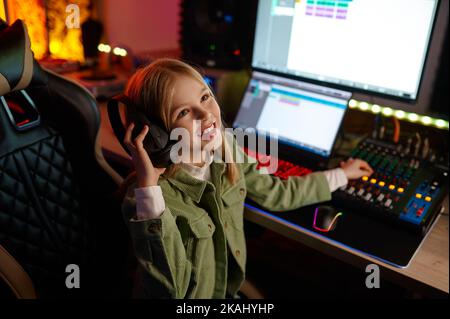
303,115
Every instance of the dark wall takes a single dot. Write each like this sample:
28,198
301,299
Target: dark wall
440,102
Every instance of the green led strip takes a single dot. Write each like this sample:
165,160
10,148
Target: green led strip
401,115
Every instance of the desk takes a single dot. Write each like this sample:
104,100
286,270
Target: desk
428,271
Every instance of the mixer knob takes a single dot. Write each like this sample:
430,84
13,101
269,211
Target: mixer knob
351,190
388,202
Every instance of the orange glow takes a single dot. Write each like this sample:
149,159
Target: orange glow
2,11
65,43
32,12
59,41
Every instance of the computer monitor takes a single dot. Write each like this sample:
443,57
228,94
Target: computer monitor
374,46
302,115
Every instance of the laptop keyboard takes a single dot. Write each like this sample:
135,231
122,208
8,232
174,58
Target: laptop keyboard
284,169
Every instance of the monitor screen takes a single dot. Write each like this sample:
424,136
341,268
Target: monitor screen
303,115
366,45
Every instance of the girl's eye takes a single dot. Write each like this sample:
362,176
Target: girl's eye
205,97
182,113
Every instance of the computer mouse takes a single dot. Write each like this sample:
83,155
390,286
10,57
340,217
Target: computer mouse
325,218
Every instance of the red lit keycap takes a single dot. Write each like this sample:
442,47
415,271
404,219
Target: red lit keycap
419,212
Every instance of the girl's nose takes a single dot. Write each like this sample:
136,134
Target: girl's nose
203,115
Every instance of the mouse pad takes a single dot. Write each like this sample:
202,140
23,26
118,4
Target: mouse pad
386,242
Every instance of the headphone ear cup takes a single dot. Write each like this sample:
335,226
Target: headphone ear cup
157,137
157,142
137,119
162,158
158,145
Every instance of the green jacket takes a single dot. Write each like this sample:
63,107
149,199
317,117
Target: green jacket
197,248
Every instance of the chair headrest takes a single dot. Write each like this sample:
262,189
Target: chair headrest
18,69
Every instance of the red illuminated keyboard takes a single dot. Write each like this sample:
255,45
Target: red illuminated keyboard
284,168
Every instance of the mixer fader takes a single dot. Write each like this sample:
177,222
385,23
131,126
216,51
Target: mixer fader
404,188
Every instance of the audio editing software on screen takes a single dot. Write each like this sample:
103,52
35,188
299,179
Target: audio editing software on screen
347,42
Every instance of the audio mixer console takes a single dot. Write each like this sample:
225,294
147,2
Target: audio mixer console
404,188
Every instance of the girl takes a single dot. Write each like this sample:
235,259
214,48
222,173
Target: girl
186,221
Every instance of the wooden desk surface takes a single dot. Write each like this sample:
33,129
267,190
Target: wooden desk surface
428,269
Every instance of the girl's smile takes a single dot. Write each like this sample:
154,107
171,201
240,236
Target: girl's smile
209,131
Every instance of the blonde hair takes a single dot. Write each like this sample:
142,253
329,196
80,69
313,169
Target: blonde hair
152,88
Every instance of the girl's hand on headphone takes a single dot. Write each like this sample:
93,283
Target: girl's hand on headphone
147,174
356,168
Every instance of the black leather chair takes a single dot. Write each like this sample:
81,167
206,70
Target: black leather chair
56,189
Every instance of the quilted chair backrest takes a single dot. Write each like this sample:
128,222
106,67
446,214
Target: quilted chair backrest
56,203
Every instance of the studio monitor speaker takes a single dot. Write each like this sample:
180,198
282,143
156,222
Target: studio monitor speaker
218,33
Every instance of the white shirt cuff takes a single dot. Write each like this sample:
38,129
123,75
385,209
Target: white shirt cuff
336,178
150,202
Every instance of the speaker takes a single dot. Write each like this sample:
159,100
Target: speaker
218,33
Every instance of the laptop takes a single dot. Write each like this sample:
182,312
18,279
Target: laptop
304,118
